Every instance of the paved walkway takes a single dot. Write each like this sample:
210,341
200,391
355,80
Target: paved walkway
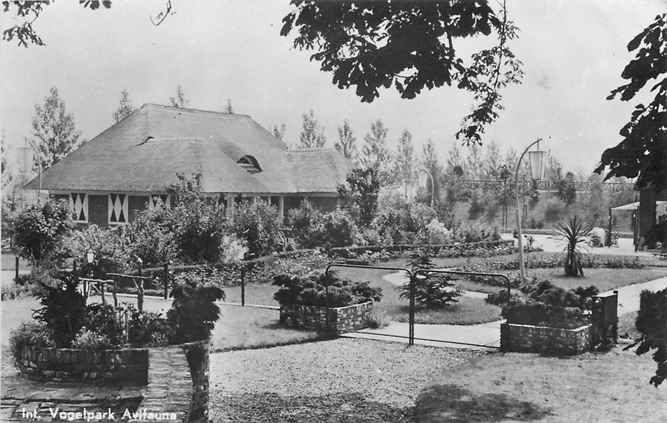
483,336
628,296
556,244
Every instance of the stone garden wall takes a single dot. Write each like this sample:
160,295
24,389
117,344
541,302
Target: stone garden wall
335,320
127,366
175,377
545,340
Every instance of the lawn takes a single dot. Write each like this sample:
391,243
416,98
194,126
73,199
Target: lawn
468,310
373,381
494,262
603,279
238,327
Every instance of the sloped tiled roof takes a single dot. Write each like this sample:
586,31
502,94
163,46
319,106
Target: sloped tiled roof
146,150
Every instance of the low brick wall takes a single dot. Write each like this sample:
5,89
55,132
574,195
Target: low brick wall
545,340
175,378
336,320
178,381
126,366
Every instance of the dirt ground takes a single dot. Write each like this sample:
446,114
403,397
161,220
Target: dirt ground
373,381
593,387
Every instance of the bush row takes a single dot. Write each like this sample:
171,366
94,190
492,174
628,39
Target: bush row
322,289
64,319
540,303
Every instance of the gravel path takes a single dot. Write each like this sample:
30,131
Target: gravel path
335,381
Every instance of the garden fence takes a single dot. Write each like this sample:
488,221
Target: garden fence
413,274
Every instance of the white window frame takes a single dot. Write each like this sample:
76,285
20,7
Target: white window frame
84,207
124,208
152,197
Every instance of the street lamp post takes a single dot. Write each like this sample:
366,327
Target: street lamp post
535,158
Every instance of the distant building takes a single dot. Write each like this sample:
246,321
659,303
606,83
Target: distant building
651,212
133,163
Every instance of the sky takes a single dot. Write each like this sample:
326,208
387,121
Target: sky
573,54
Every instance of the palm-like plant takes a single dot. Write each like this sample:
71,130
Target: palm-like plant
575,233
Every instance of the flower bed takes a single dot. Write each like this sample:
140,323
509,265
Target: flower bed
324,302
373,253
335,320
544,339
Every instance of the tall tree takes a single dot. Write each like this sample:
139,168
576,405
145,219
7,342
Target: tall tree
312,134
429,159
642,152
279,132
375,152
54,133
360,194
347,142
492,163
180,100
228,107
410,45
125,107
404,160
6,174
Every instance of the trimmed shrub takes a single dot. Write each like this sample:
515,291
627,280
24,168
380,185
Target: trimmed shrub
378,319
63,310
475,233
38,229
432,290
435,233
500,298
540,314
151,236
369,236
403,224
320,289
198,224
193,312
88,339
29,334
103,319
338,229
547,293
148,329
258,223
597,237
232,249
303,223
107,245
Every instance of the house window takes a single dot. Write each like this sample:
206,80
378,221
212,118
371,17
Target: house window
157,199
117,209
78,204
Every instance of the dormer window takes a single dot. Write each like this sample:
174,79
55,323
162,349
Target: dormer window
250,164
